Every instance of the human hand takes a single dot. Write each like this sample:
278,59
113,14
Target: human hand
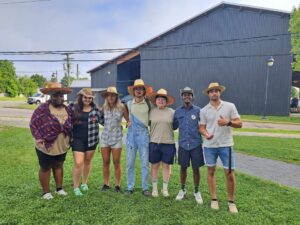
209,136
222,121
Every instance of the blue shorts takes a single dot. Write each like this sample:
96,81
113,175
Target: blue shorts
161,153
211,155
194,155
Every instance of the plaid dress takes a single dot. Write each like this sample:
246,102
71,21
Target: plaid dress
112,132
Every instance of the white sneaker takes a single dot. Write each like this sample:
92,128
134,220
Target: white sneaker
214,205
47,196
165,192
61,192
198,198
181,195
154,193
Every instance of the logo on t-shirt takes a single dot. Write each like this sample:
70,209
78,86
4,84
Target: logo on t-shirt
193,117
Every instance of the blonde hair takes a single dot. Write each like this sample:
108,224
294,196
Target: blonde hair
117,105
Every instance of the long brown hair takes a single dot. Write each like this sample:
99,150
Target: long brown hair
78,108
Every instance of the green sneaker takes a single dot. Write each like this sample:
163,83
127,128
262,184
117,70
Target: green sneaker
77,192
84,187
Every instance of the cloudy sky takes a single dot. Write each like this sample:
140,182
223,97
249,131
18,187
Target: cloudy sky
41,25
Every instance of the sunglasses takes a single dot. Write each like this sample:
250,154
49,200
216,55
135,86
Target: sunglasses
88,98
139,89
214,90
56,95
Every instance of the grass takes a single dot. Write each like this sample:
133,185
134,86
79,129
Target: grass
13,99
283,149
23,106
259,202
272,119
263,130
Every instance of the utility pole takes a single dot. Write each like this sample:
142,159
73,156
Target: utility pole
67,68
77,72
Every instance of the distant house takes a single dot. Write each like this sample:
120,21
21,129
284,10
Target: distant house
228,43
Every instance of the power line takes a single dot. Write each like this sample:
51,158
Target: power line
22,2
157,59
273,37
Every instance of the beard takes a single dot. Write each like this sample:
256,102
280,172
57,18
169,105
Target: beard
57,103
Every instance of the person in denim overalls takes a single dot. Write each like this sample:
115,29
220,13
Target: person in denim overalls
138,134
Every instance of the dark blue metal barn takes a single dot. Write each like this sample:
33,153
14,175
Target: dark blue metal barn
229,44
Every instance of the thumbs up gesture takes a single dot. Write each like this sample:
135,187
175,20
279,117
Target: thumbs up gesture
222,121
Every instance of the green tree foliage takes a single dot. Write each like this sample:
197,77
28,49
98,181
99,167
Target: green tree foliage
295,31
294,92
8,79
27,86
64,81
38,79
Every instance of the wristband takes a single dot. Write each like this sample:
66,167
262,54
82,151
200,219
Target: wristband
229,124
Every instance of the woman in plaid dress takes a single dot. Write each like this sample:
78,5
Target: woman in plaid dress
111,138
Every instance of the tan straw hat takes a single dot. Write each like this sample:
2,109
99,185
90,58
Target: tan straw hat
87,92
54,87
214,85
140,83
161,92
110,90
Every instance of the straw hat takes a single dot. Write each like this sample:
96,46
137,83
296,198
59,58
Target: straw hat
161,92
110,90
54,87
140,83
87,92
214,85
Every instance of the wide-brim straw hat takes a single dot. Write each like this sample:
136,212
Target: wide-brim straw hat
214,85
54,87
110,90
140,83
87,92
163,93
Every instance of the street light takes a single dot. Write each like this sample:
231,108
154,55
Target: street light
270,62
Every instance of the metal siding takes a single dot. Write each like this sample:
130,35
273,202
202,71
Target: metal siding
244,77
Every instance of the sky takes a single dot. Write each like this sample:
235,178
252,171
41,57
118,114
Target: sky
56,25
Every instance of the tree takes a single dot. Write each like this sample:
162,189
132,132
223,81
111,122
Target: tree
64,81
294,92
8,78
295,40
27,86
38,79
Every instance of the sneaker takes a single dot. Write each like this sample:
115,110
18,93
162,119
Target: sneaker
128,192
117,189
232,208
154,193
165,192
181,195
198,198
146,193
105,187
61,192
77,192
47,196
84,187
214,205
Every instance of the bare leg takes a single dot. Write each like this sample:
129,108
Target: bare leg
44,176
211,180
77,168
230,183
116,154
106,163
88,156
58,173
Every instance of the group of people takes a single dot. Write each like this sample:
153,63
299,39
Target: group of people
57,127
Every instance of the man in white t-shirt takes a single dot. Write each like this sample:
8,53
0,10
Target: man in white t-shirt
216,120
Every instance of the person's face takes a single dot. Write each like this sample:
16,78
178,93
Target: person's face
57,99
187,98
214,94
87,100
111,98
161,102
139,92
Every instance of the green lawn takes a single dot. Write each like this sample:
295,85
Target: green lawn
284,149
272,119
23,106
263,130
259,202
13,99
